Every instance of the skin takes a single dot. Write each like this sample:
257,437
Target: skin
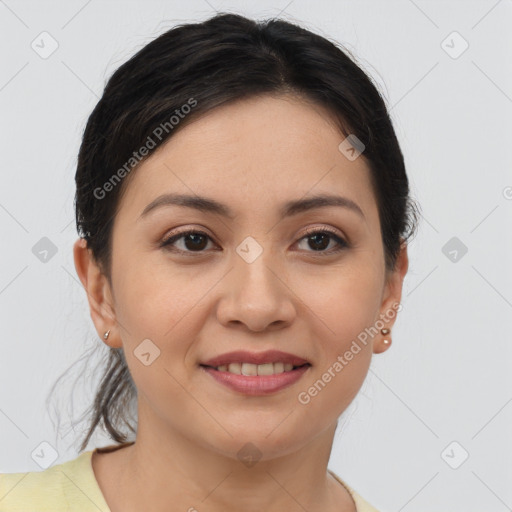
251,155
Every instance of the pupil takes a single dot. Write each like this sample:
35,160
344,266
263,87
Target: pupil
324,245
195,245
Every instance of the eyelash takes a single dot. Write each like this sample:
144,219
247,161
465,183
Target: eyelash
342,244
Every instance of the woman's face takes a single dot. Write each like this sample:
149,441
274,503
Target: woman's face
256,282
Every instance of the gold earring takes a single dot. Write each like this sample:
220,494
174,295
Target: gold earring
384,332
105,336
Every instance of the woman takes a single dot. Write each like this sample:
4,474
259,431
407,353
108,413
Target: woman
243,211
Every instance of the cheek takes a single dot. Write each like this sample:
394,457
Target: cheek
344,352
332,389
346,300
152,299
163,307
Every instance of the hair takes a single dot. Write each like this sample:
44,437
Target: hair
183,74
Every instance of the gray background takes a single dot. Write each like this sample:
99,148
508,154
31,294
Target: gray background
447,375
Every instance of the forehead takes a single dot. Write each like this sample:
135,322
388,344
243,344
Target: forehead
252,154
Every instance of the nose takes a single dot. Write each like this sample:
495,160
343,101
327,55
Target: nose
256,296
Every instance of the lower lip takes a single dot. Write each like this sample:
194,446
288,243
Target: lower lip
257,384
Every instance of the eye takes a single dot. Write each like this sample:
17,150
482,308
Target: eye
196,241
320,240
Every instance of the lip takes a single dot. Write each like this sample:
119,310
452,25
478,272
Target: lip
243,356
257,384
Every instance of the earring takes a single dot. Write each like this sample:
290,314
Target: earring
384,332
105,336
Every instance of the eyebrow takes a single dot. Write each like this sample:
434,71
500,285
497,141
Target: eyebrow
290,208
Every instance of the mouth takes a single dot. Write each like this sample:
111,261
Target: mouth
252,370
256,380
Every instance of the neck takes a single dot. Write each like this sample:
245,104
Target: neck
170,468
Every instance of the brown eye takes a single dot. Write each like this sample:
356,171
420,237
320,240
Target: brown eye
193,241
319,240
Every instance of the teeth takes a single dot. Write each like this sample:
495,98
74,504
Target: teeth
256,369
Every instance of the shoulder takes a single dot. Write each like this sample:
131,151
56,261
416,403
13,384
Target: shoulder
361,504
34,490
63,487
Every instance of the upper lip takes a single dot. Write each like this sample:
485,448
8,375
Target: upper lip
243,356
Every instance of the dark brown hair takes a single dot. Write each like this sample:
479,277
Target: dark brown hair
225,58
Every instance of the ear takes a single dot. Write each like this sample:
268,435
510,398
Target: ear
98,291
391,297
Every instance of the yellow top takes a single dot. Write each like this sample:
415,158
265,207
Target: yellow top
72,486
